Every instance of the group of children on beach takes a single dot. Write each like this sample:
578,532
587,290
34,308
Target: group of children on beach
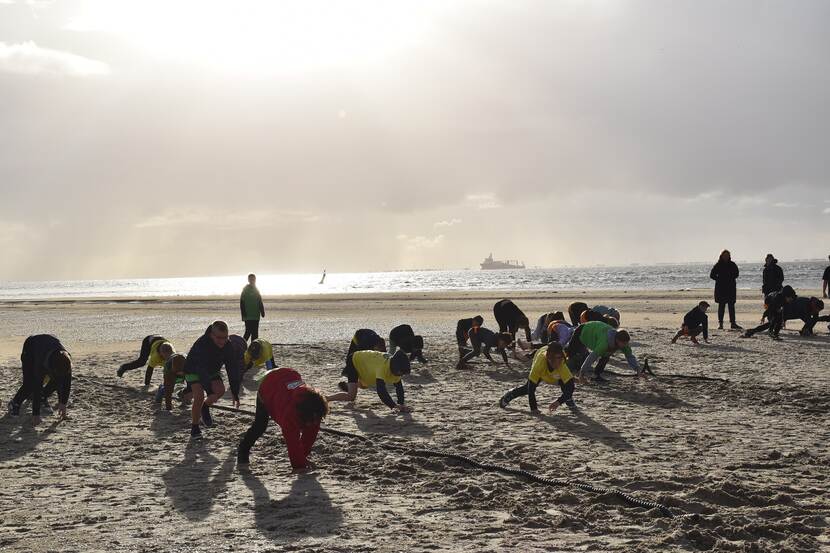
561,352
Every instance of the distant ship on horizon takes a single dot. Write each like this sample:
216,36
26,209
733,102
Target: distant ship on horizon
490,263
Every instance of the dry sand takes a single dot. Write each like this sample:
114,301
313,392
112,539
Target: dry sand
748,458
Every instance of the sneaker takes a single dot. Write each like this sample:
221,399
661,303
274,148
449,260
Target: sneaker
206,418
343,386
159,394
14,409
720,326
694,341
736,326
747,334
503,403
600,378
195,431
572,404
121,370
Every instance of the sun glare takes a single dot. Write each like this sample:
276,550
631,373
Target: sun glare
265,37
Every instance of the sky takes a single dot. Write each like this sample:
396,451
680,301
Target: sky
183,138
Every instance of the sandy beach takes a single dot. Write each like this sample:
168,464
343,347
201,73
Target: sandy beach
741,459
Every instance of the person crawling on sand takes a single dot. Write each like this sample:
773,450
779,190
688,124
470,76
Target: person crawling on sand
296,407
173,374
804,308
47,367
208,354
575,311
511,319
549,365
774,304
540,333
462,332
259,354
597,341
402,336
483,340
695,322
364,339
607,311
560,332
375,368
155,350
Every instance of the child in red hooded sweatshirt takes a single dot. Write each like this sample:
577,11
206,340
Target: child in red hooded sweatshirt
297,408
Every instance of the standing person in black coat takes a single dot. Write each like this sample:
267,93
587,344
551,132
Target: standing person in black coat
772,276
725,273
511,318
825,280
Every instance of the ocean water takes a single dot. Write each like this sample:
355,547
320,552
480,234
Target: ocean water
800,275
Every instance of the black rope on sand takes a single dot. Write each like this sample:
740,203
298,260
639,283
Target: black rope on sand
491,467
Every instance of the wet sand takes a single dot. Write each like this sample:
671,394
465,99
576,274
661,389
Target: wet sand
747,458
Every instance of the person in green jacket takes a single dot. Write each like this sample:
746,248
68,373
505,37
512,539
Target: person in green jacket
250,304
596,341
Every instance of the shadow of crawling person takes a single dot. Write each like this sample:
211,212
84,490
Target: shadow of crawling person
651,394
194,483
582,425
306,510
18,437
392,423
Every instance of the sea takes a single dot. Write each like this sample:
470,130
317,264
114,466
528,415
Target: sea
799,274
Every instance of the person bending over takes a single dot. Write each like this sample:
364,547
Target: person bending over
403,337
375,368
296,407
548,366
462,332
483,340
595,342
695,322
45,363
173,374
259,354
540,333
208,354
774,303
155,350
511,319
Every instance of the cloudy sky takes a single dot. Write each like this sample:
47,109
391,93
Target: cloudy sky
175,138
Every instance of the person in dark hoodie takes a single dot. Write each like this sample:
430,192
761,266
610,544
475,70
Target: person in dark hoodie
725,274
462,332
772,277
402,336
511,319
250,304
806,309
575,311
45,362
695,322
204,361
483,340
296,407
774,303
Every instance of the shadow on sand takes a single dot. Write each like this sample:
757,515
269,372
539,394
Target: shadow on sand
194,483
582,425
305,511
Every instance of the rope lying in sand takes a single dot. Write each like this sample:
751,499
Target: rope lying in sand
420,452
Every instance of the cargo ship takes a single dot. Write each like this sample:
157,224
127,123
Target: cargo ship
491,263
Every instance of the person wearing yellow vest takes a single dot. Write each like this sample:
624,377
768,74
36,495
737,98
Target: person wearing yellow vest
259,354
155,350
376,369
548,366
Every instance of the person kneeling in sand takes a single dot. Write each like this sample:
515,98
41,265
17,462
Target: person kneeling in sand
549,365
774,304
480,336
296,407
204,361
402,336
155,350
47,367
597,341
695,322
375,368
259,354
462,332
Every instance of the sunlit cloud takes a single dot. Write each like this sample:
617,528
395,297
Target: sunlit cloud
448,223
27,58
484,201
421,242
226,220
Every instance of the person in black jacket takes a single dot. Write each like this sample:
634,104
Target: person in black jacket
825,281
772,277
774,304
804,308
695,322
575,310
364,339
485,338
462,332
510,319
45,362
402,336
725,274
204,361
